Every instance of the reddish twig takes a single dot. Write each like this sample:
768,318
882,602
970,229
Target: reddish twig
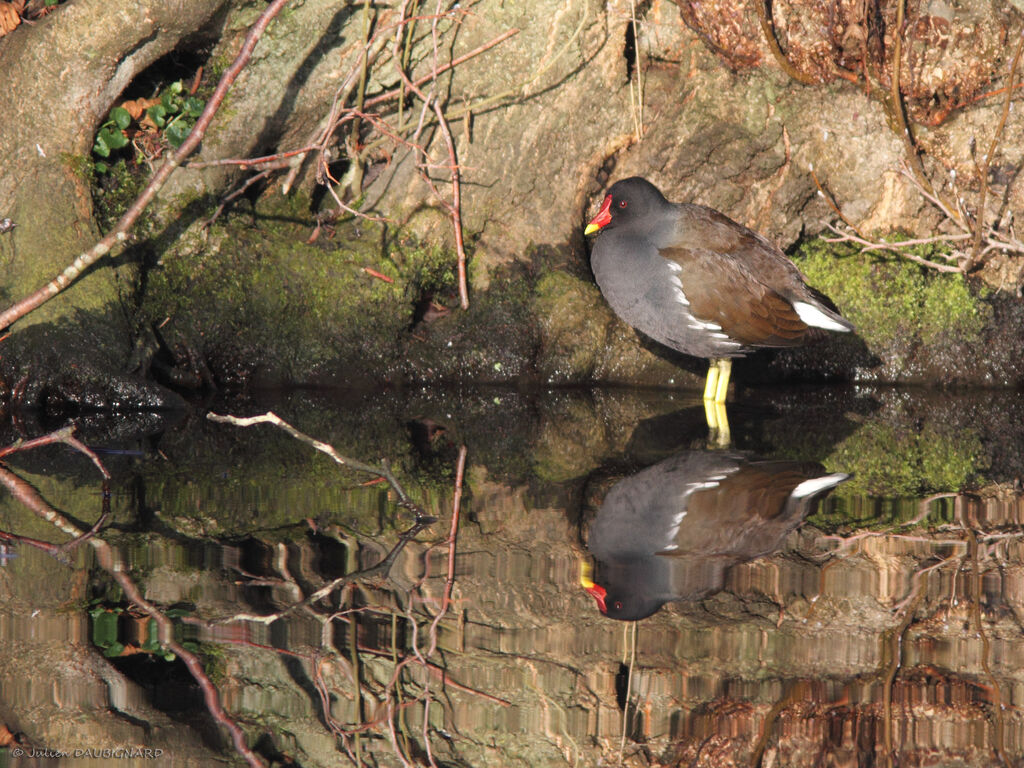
379,276
20,490
454,208
105,559
119,233
250,162
449,583
64,435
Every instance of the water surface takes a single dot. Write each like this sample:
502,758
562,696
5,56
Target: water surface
245,589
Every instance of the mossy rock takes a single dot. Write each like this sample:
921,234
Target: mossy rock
889,298
582,342
919,325
574,328
257,301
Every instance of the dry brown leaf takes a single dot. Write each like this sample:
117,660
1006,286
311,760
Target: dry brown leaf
6,737
136,107
9,17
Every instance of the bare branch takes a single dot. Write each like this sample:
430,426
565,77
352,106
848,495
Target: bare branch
897,247
383,471
986,161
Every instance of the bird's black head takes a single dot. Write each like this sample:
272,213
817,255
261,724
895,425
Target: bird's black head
630,589
630,200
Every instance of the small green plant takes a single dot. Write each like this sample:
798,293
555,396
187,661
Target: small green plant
176,113
165,119
111,136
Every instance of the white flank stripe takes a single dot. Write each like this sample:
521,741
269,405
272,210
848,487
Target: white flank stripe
818,484
814,316
700,325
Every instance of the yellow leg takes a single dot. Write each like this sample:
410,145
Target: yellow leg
718,424
586,573
711,384
715,391
717,385
724,372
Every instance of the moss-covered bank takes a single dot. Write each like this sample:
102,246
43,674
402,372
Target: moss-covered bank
255,299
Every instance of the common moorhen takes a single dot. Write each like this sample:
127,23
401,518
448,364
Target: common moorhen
698,282
673,530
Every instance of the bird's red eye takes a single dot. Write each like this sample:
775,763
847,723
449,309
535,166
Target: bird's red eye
618,605
623,203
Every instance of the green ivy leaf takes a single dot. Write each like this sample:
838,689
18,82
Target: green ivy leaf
99,166
100,147
121,117
116,649
104,629
112,137
194,106
157,114
152,643
177,132
169,101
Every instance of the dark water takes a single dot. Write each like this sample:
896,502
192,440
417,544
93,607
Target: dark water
843,586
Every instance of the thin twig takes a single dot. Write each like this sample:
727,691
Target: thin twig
831,203
986,161
251,162
383,471
63,435
455,206
976,596
867,245
764,15
460,469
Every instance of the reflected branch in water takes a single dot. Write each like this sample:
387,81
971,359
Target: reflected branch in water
383,471
975,595
106,559
64,435
393,698
28,497
378,572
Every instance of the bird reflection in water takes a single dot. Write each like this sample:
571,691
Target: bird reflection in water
672,531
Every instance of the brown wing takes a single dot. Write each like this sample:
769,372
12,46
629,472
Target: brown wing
701,228
720,290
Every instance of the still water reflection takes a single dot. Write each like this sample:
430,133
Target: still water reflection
843,586
672,531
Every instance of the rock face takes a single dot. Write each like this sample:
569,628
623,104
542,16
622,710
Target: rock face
784,127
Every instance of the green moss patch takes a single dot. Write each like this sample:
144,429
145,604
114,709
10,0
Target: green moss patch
260,295
574,333
897,460
891,298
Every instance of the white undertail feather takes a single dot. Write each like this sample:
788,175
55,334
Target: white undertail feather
814,316
817,484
